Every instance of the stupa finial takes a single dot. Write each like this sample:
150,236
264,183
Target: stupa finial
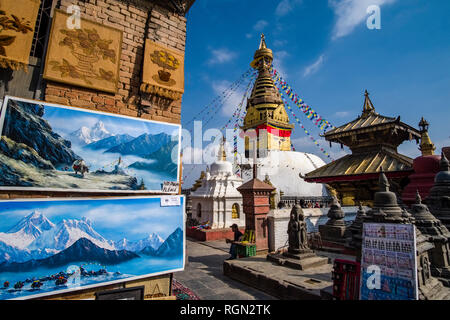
426,145
383,182
418,197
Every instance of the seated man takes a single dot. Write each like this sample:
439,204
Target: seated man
237,237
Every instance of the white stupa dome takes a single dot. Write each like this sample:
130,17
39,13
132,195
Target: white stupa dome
221,166
283,169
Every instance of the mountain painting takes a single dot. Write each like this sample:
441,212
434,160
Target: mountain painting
60,245
50,147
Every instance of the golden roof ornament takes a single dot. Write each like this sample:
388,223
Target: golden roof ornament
222,155
426,145
368,107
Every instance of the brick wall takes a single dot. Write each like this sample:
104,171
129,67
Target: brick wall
139,20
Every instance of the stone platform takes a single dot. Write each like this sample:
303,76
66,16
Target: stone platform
303,261
280,281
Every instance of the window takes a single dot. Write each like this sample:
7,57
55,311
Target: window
235,211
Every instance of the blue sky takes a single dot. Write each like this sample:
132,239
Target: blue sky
130,218
325,51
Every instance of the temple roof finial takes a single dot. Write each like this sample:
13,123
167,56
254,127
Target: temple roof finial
368,107
426,145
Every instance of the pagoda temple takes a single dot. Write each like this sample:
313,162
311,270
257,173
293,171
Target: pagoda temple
373,140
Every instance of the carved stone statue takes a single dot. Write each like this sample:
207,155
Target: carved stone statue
297,233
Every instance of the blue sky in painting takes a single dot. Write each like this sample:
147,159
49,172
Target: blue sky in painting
132,218
66,121
325,51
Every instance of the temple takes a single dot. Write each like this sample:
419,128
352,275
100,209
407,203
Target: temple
373,140
266,126
266,115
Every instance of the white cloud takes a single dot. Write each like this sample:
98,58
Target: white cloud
260,25
220,56
286,6
313,68
351,13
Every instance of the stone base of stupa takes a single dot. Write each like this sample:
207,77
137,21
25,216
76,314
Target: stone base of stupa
333,233
303,260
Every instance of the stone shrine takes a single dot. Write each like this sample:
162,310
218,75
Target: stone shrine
437,234
438,200
334,229
299,255
387,210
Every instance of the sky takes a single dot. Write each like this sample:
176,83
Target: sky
130,218
326,52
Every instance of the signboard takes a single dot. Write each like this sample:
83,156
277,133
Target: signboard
388,262
54,246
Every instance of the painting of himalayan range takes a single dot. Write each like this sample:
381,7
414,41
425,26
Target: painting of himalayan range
53,245
45,146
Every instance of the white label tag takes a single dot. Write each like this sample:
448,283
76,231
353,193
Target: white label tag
170,186
170,201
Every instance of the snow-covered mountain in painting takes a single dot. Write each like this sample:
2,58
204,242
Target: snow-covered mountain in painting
25,240
154,241
26,230
66,232
86,135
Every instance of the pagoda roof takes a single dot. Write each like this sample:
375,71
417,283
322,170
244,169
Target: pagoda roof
370,121
359,165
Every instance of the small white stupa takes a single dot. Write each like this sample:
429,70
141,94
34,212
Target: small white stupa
217,200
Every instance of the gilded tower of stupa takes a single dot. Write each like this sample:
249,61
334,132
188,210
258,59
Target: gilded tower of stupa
266,118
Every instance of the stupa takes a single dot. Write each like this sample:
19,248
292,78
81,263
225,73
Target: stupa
215,198
266,125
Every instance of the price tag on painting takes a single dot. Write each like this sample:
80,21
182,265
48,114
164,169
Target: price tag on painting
170,186
170,201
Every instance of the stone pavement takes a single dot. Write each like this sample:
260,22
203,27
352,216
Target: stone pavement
203,274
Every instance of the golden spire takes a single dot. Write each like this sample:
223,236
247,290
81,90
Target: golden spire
368,107
222,155
426,145
198,182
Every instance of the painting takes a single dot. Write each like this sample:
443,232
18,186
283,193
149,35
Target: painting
50,147
17,22
163,72
52,246
88,56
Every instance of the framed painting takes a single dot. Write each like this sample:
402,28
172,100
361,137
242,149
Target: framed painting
133,293
88,56
50,147
53,246
163,72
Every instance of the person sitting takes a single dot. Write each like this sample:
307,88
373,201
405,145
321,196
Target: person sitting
237,237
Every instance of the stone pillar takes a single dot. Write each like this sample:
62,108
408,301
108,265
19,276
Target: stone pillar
256,206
